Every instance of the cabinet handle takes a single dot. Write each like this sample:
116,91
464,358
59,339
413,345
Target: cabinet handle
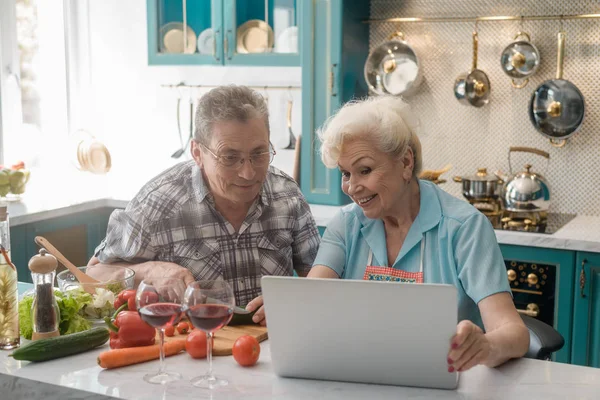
582,278
226,44
332,80
215,44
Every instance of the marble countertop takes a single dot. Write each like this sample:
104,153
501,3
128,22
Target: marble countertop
79,377
89,192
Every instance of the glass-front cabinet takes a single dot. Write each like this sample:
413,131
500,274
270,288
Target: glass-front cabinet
223,32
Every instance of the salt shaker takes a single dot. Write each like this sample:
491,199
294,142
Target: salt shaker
44,310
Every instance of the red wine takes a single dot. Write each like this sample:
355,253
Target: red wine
209,317
159,315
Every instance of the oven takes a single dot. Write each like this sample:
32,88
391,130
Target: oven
533,287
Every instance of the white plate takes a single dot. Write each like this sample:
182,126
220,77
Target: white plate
206,41
287,41
171,39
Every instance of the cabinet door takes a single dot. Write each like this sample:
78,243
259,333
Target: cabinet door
586,315
262,32
334,49
204,21
75,235
551,286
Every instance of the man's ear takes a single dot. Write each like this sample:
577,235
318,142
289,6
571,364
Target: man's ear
197,154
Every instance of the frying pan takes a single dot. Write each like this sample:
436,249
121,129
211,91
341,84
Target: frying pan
557,107
473,87
393,68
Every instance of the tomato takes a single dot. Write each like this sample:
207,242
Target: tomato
183,328
195,344
18,165
246,350
170,330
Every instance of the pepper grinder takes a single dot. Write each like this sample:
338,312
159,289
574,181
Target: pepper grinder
44,310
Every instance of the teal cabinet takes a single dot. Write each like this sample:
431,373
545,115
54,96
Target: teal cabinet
335,47
224,32
544,278
75,235
586,312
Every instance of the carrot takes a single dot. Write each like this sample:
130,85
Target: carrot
133,355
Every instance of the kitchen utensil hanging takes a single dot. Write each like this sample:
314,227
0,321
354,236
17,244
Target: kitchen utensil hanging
393,68
184,145
557,107
92,155
292,137
473,88
520,59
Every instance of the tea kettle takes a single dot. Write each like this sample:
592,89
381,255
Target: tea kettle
525,191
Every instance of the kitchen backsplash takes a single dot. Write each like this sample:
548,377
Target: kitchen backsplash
471,138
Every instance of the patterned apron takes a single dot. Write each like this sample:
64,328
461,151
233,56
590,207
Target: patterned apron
387,274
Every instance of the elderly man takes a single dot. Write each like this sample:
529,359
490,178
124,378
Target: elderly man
226,215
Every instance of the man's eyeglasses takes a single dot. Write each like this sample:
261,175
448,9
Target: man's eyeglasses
235,160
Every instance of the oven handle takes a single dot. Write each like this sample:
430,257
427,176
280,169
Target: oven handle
582,278
532,310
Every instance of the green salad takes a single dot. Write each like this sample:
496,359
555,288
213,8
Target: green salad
76,307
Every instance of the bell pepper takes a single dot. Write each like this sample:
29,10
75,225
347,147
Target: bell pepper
124,297
127,329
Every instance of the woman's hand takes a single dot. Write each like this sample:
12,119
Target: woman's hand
259,317
468,348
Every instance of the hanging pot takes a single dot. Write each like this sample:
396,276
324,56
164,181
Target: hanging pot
526,191
473,87
481,186
393,68
520,59
557,107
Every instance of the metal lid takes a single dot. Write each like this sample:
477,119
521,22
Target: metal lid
481,176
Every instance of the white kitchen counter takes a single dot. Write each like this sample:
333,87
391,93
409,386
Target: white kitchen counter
518,379
86,192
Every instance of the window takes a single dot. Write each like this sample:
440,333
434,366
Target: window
41,75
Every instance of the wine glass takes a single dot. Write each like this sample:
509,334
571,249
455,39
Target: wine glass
209,306
158,302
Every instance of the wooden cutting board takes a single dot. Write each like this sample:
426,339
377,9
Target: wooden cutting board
226,337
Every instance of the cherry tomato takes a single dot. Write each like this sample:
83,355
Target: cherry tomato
246,350
170,330
183,328
195,344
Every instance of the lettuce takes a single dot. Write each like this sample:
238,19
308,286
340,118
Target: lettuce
69,304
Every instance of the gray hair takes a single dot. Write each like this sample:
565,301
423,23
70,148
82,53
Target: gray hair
228,103
386,119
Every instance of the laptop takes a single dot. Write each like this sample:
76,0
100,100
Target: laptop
361,331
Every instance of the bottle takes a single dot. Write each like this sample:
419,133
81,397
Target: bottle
45,313
10,337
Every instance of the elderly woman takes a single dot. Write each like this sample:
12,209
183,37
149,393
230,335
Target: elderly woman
227,214
403,229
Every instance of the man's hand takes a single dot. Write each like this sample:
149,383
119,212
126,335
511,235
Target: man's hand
147,270
259,317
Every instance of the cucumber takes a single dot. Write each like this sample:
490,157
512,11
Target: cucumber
242,319
61,346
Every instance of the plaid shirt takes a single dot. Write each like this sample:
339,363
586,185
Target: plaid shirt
173,218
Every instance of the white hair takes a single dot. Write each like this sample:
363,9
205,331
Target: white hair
386,119
228,103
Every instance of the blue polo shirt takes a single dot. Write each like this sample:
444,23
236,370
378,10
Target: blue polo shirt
460,248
